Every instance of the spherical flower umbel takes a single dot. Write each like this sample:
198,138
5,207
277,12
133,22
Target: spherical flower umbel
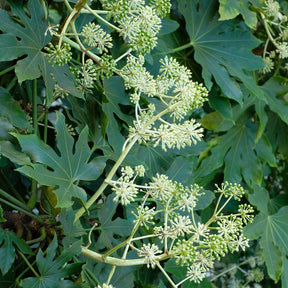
149,251
177,135
126,192
58,55
181,225
95,36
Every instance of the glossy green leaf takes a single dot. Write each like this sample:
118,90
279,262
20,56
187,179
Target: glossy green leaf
230,9
65,170
111,227
284,276
234,150
260,198
67,219
50,267
222,48
8,150
273,233
123,276
11,110
8,241
28,39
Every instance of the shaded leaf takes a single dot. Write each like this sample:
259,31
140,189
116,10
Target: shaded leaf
115,95
7,250
11,109
67,219
223,52
66,170
50,267
273,89
234,150
111,227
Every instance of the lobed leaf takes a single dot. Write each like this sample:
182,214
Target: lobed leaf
232,8
7,250
273,232
223,49
65,170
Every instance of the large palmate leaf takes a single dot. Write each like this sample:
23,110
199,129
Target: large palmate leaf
26,39
222,48
65,170
234,150
273,233
7,250
51,267
232,8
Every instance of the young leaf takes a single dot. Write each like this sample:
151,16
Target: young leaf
66,170
7,250
221,48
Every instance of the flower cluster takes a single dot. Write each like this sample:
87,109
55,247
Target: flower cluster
275,23
124,187
138,23
58,55
96,37
149,251
105,286
176,93
170,207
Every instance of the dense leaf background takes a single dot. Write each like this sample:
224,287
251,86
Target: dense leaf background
246,128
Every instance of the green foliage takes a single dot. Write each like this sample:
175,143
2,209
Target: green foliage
50,267
8,241
104,177
65,170
215,43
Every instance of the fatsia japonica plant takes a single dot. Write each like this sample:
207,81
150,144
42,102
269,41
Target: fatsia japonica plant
113,184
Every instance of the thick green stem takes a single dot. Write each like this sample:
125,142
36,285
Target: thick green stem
178,49
82,210
13,200
21,209
7,70
11,188
28,264
119,262
45,125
